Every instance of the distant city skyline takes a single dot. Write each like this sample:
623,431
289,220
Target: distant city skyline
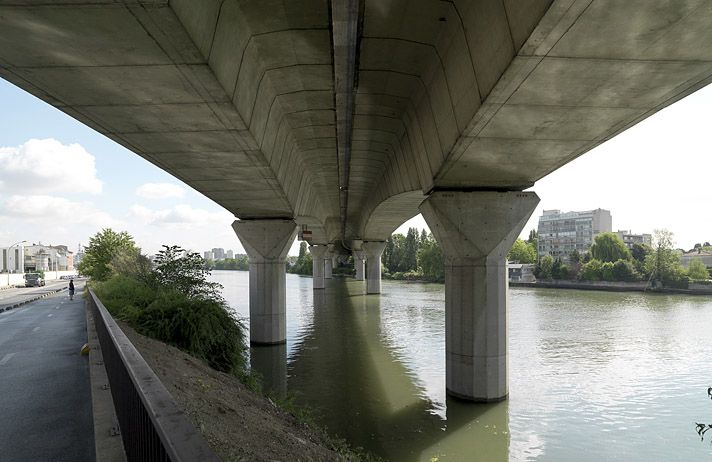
61,182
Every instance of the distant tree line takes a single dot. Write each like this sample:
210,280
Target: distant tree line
415,256
609,259
239,263
303,263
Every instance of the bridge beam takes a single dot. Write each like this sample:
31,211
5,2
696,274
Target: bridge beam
374,250
267,243
318,254
475,231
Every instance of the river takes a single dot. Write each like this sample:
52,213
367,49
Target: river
593,375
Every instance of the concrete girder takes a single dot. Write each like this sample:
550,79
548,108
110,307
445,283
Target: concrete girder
475,231
239,98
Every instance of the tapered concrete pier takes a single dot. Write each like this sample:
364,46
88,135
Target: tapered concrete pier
267,243
475,231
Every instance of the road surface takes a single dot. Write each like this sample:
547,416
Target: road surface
45,396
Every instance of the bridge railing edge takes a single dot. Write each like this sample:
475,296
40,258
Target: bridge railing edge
153,427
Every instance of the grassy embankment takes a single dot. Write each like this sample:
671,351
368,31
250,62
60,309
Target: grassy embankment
175,304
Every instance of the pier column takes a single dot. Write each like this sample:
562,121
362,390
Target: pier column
318,252
374,250
475,231
360,264
328,262
267,243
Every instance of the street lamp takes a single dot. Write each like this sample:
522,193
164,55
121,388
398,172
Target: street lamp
8,259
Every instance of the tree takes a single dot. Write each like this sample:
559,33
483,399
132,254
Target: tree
185,272
410,251
544,268
303,264
522,252
624,270
663,263
430,259
575,257
103,247
607,271
533,239
697,271
592,271
608,247
559,270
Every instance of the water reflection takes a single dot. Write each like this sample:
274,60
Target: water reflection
270,362
371,398
593,375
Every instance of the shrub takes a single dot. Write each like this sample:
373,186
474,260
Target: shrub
607,271
624,270
176,304
591,271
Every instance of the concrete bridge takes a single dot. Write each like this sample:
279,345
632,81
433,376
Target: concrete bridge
349,117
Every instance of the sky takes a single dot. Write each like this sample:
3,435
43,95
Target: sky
61,182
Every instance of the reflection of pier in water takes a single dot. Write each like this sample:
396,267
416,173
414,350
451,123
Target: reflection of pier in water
344,370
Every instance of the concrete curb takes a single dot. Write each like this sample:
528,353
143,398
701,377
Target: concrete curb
30,300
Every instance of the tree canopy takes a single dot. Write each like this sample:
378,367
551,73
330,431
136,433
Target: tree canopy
104,247
608,247
697,271
522,252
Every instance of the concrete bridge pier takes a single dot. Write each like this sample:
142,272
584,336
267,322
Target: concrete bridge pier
374,250
318,253
475,231
360,264
267,243
328,262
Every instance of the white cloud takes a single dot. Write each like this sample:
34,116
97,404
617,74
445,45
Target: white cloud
52,211
159,191
181,216
47,166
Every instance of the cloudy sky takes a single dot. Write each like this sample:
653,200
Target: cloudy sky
60,182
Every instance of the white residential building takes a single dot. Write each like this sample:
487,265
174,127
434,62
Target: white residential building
12,259
562,233
39,257
630,239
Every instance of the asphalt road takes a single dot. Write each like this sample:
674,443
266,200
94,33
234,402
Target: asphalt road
45,396
9,297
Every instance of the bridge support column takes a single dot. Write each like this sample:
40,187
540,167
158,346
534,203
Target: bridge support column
360,264
475,231
318,252
267,243
328,266
374,250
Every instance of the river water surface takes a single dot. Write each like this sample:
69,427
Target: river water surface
593,376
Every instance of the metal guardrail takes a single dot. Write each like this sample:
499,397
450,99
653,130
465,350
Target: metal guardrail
153,428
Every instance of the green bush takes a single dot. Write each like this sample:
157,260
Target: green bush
202,327
607,271
592,271
624,270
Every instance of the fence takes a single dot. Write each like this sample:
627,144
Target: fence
153,428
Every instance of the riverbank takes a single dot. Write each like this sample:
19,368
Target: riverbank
238,423
694,289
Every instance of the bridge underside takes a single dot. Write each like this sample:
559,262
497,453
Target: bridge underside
345,116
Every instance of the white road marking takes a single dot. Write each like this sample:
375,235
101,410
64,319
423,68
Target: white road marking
56,307
36,329
6,358
49,315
